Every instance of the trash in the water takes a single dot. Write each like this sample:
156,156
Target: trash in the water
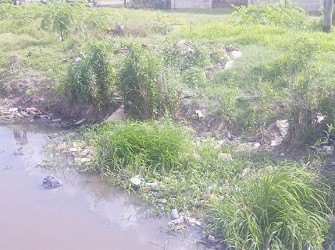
51,182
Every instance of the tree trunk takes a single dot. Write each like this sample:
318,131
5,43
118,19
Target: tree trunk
328,12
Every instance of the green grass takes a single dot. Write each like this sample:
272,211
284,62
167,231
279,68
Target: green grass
287,209
149,147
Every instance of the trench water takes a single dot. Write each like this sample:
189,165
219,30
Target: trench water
84,213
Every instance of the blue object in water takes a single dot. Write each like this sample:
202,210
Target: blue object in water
51,182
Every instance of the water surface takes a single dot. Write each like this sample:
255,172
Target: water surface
84,213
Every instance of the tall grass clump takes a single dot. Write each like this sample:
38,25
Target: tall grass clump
91,80
149,89
133,147
287,209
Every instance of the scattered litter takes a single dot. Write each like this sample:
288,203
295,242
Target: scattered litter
56,120
180,220
79,122
199,114
136,180
83,160
229,65
152,185
256,145
276,141
283,126
174,214
236,54
193,222
12,110
73,149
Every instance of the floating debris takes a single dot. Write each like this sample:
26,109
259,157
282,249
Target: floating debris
51,182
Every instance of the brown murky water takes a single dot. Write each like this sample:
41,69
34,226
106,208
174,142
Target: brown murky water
84,213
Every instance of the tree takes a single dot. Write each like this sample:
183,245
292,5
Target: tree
61,16
328,13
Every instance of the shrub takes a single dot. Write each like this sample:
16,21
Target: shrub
152,4
284,210
149,89
283,13
140,147
91,80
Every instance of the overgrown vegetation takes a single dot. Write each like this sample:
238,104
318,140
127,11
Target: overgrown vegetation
140,148
148,88
92,79
287,209
173,64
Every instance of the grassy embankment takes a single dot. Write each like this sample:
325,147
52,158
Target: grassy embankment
285,72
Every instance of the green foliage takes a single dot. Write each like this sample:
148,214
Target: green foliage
151,4
140,147
6,11
92,79
60,17
188,59
283,13
185,56
283,86
149,89
22,15
283,210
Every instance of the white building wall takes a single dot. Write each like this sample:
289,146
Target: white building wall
309,5
191,4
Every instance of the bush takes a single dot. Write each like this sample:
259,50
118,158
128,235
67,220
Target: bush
284,210
151,4
135,147
283,13
149,89
92,80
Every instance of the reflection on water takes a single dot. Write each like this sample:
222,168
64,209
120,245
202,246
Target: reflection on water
20,138
84,213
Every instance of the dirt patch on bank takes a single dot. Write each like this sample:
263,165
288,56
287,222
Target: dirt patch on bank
23,90
40,97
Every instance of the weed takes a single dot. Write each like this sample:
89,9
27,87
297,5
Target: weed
92,79
140,147
149,89
283,210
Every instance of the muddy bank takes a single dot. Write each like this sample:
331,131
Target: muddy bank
84,213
